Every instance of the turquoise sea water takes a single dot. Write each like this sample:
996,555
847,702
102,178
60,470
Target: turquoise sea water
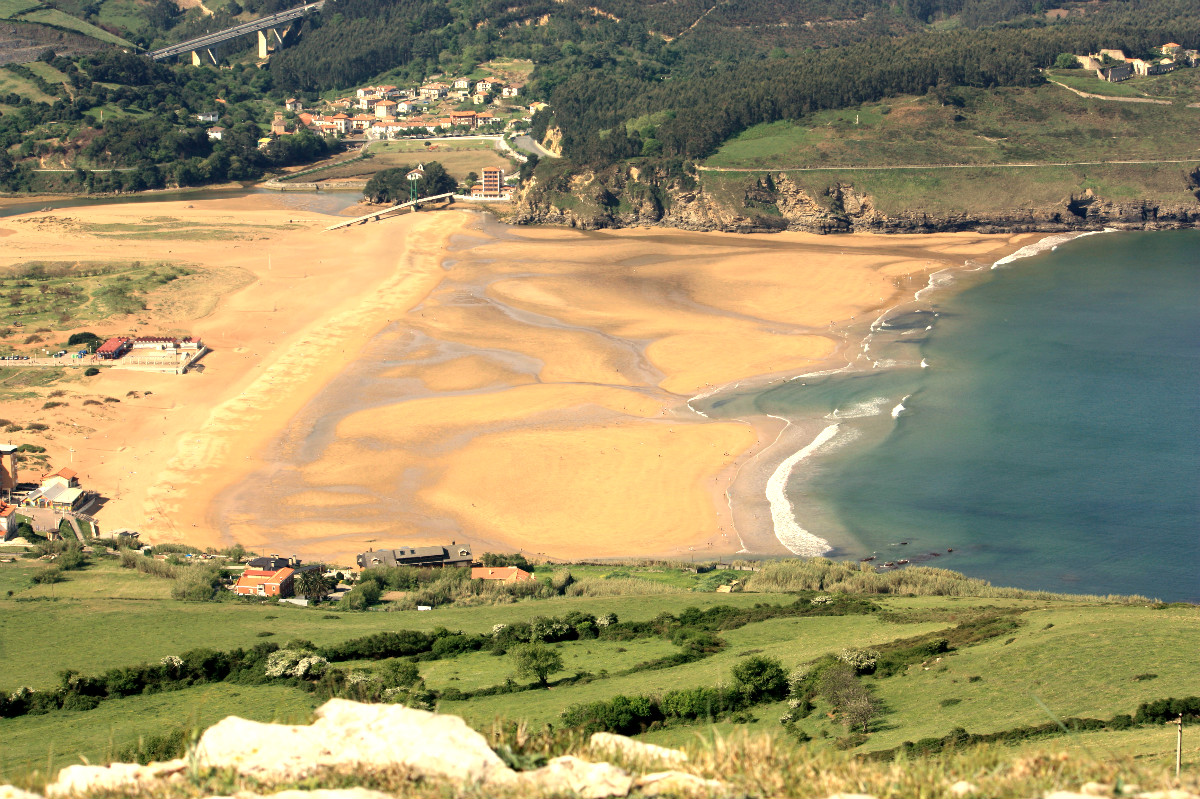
1053,442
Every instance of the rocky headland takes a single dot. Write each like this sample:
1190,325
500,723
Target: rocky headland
626,196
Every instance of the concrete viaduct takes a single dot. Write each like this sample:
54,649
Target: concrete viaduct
201,48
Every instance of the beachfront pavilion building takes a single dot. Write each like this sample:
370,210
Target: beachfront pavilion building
422,557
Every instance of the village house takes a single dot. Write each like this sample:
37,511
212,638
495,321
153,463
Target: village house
342,104
293,105
278,126
484,86
425,557
208,116
462,83
412,106
255,582
216,133
479,99
538,106
341,123
434,91
361,122
8,520
510,91
465,119
506,574
385,108
368,102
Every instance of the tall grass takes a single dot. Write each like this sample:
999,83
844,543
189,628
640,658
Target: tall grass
819,574
620,586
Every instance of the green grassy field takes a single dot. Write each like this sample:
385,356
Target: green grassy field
1179,86
11,83
128,618
1065,658
49,742
975,189
59,19
1042,125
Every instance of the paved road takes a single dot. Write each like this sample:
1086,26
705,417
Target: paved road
527,143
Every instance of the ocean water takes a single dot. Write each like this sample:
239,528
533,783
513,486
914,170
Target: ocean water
1041,420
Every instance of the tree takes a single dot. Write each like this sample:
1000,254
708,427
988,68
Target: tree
537,661
86,339
311,585
859,709
1066,61
759,678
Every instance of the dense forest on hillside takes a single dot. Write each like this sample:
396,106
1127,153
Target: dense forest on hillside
665,81
628,79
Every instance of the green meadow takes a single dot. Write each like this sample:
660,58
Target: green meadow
1061,658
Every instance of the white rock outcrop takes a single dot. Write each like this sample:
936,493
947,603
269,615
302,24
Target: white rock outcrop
351,735
607,744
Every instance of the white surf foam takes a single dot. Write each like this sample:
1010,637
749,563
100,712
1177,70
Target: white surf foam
924,364
1048,244
899,409
783,515
859,410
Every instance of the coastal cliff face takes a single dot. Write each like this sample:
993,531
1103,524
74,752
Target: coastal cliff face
624,196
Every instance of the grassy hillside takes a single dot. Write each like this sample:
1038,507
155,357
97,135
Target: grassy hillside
1006,661
41,13
1046,124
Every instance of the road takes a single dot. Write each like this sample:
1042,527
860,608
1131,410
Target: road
527,143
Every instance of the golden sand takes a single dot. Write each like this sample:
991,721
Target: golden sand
540,404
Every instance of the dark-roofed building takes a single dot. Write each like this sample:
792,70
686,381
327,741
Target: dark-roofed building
436,557
1115,74
272,564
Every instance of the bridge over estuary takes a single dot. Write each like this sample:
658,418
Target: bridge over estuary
279,24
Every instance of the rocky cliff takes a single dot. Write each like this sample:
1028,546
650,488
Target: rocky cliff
626,196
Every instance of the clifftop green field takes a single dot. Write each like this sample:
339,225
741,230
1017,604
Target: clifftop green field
994,662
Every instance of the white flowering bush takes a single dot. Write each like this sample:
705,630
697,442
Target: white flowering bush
786,719
171,661
822,600
24,692
861,660
310,667
396,696
606,619
295,663
796,679
498,628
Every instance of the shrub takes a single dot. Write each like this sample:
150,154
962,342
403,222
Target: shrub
759,678
91,371
48,575
861,660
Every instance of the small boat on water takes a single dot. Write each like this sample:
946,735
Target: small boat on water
902,562
889,565
935,554
866,560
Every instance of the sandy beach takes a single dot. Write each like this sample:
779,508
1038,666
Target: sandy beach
443,377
